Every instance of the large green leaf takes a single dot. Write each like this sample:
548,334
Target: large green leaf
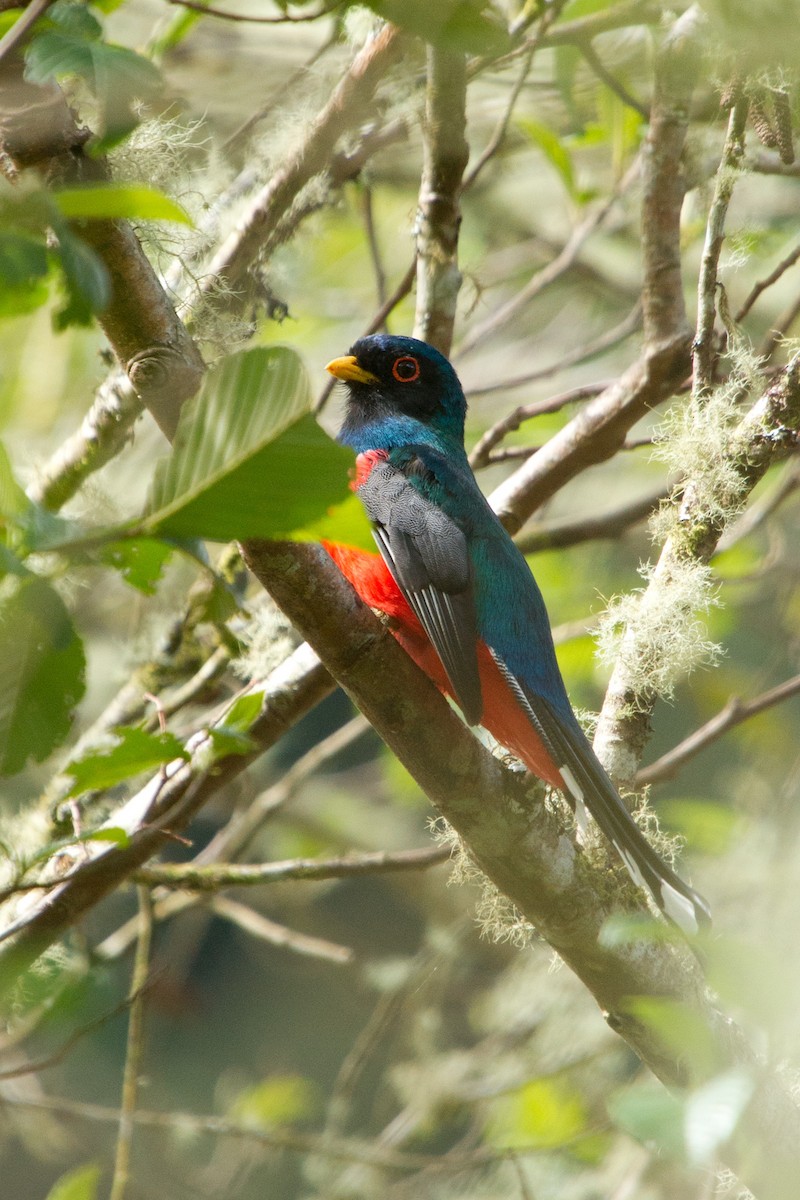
70,43
112,200
249,459
134,751
41,668
78,1184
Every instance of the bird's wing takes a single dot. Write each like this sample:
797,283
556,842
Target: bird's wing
428,556
589,789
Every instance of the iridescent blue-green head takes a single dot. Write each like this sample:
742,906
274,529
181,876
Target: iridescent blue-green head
400,391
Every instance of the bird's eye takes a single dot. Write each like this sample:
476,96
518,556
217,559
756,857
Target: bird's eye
406,369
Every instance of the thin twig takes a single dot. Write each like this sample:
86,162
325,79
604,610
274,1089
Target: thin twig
605,341
57,1057
21,27
501,129
554,270
526,412
763,284
373,244
704,349
189,877
572,532
615,85
779,330
734,713
296,1140
262,927
133,1054
445,155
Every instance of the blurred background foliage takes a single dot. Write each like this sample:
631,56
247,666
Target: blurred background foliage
429,1040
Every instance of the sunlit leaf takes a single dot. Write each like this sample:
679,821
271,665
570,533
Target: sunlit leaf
135,751
249,460
41,668
554,150
243,712
112,200
79,1184
279,1100
713,1112
140,561
13,501
544,1113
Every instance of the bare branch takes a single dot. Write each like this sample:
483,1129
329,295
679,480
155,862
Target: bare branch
595,434
734,713
773,277
190,877
14,36
562,263
439,209
615,85
767,433
350,103
704,351
262,927
479,456
162,808
557,535
134,1048
160,360
605,341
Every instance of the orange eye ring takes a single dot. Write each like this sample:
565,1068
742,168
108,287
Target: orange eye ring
406,369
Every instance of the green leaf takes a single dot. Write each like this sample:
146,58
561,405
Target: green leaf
74,18
111,200
140,560
545,1113
713,1113
24,266
107,833
649,1113
457,25
118,76
226,742
42,671
249,460
135,751
13,501
87,281
79,1184
243,712
554,151
279,1100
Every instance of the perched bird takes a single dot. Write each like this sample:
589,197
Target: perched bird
459,594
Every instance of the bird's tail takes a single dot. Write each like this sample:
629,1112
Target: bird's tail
589,789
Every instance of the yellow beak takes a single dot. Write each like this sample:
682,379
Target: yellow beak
349,370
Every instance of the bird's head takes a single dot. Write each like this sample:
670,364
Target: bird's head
400,390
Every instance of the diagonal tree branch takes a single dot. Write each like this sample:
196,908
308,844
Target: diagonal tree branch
439,212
